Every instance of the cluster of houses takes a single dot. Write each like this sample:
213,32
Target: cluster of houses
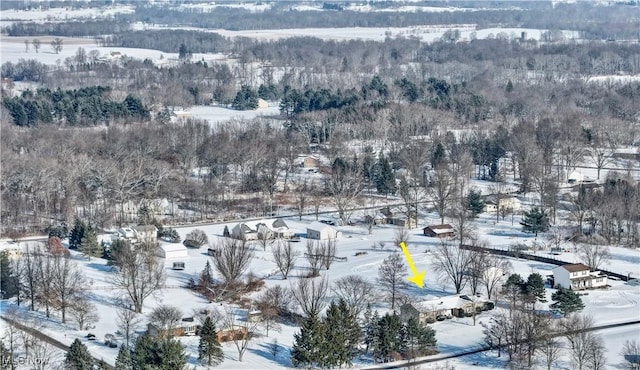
278,229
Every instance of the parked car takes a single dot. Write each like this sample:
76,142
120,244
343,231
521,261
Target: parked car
91,336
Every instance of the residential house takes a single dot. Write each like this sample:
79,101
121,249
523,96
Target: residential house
506,202
145,233
186,327
318,230
439,231
444,308
577,277
308,161
375,219
575,177
255,230
395,216
227,335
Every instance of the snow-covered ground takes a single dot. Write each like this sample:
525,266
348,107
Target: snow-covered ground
39,14
616,304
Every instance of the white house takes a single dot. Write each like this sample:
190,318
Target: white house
173,250
577,277
145,232
507,203
320,231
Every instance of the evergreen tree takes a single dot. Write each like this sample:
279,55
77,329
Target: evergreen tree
78,357
6,359
158,353
77,233
209,349
89,244
246,99
421,339
439,156
534,287
534,221
341,335
388,337
566,301
371,331
123,360
385,179
9,283
206,277
475,203
307,350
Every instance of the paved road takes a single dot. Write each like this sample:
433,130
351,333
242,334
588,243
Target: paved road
45,338
481,348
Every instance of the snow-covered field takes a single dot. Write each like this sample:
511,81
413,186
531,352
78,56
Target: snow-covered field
38,14
616,304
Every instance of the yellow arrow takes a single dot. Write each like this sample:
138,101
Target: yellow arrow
417,278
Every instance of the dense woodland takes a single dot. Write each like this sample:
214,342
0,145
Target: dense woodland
485,108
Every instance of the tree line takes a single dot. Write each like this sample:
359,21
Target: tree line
83,107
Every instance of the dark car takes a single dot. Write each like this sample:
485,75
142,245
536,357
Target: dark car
91,336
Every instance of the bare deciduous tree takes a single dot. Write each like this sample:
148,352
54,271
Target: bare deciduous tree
233,258
442,190
344,185
392,274
593,255
451,262
127,322
328,252
314,256
631,353
165,319
355,291
83,311
494,274
139,274
230,322
579,338
68,283
310,295
551,349
284,256
401,235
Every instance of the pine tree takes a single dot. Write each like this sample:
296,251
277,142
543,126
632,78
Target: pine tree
475,203
566,301
341,335
153,352
78,357
534,221
534,287
89,244
307,344
77,233
206,278
388,336
385,179
421,339
371,333
123,360
439,156
209,349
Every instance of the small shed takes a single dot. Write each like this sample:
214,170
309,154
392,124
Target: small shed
318,230
439,231
173,250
